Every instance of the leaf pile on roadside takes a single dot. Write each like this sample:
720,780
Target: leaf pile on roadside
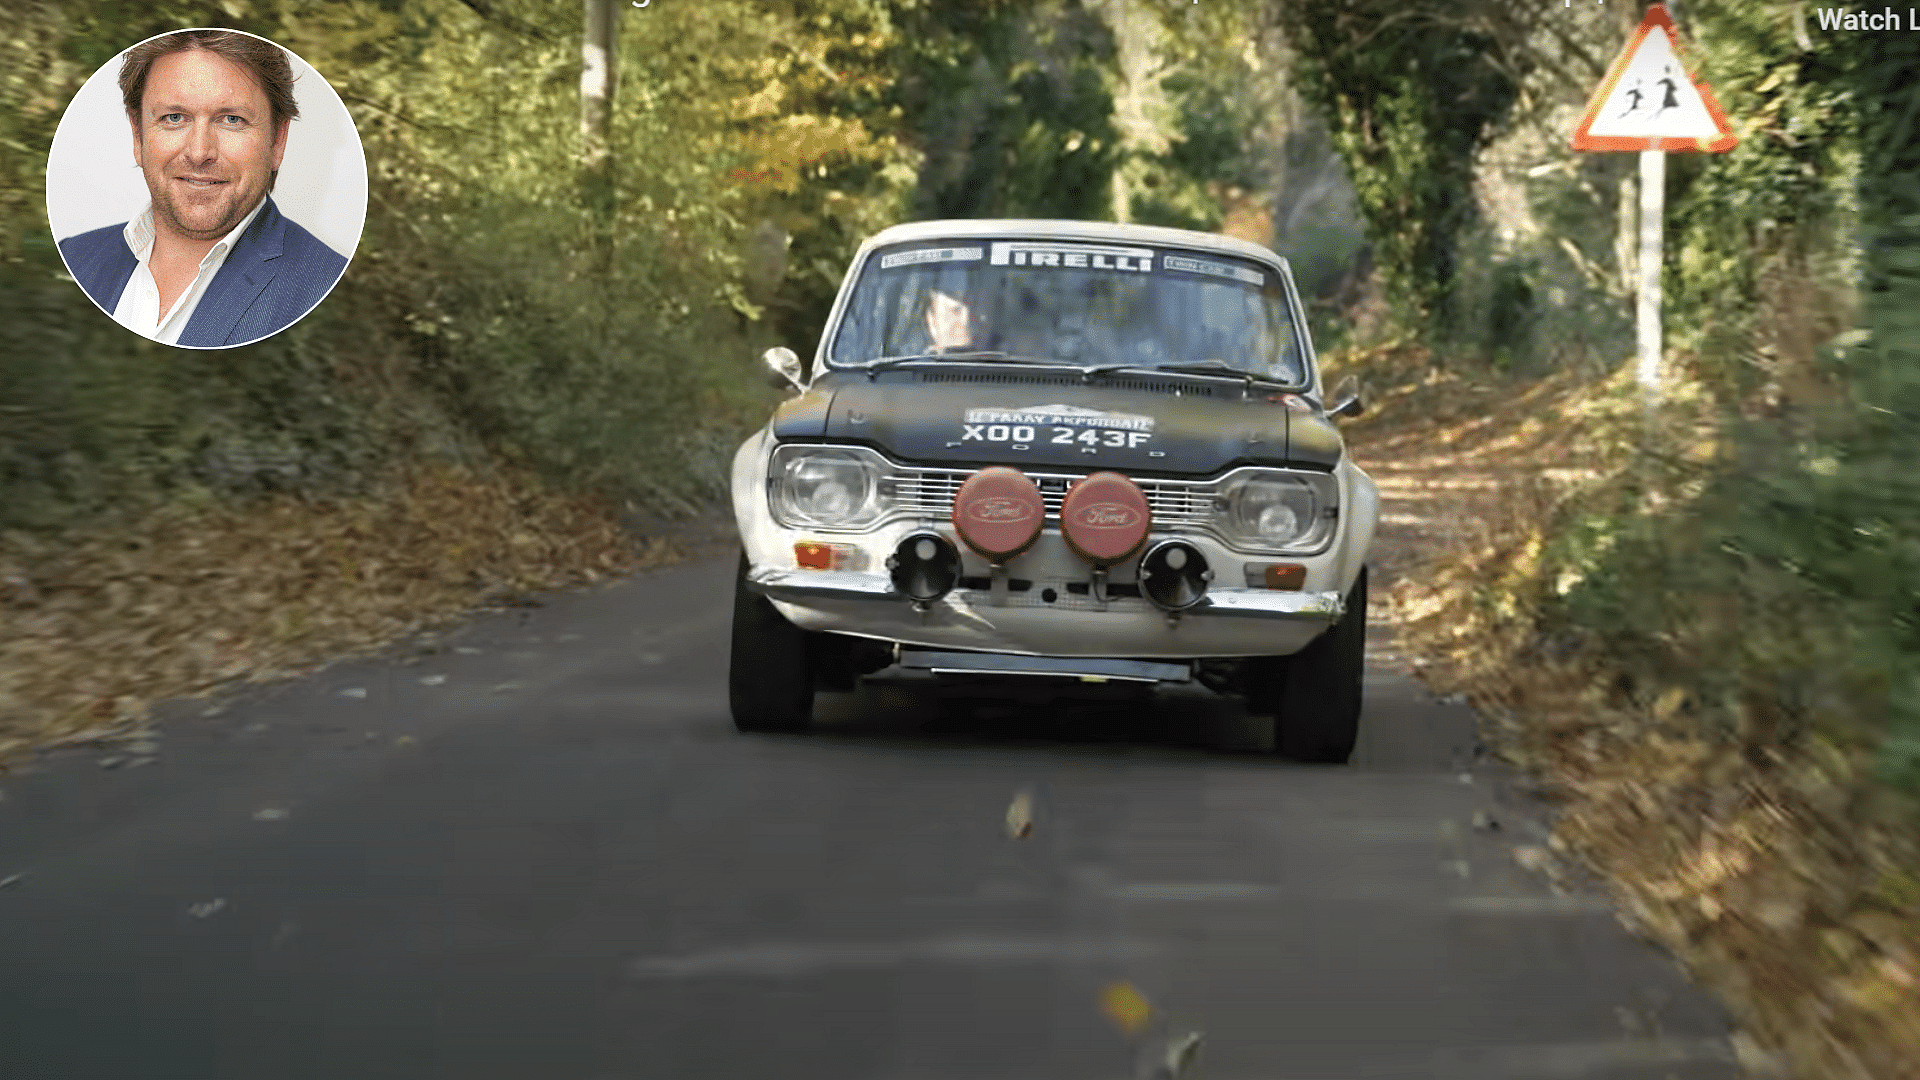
189,600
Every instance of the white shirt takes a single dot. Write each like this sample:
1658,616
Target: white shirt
139,307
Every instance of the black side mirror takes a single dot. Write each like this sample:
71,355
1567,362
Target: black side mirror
783,369
1348,398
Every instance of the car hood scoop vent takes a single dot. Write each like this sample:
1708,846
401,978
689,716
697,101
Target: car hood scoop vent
1013,378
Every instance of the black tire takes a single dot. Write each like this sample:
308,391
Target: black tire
1314,695
832,662
769,678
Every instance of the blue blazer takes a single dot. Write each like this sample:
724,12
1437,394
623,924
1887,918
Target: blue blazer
276,273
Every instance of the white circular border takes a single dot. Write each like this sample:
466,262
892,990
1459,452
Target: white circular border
92,181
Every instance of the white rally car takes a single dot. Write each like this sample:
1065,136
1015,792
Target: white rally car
1052,449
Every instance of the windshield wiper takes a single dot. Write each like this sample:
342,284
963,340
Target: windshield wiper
1204,367
979,355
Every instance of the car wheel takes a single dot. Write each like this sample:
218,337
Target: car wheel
769,679
1314,695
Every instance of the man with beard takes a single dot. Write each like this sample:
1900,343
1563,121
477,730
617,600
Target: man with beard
211,262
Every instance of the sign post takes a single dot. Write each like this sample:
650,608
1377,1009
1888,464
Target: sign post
1648,104
1653,210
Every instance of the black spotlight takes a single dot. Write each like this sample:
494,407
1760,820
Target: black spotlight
924,567
1174,575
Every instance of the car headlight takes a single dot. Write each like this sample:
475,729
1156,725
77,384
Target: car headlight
824,488
1273,511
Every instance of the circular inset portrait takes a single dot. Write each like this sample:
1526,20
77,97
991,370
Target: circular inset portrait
207,188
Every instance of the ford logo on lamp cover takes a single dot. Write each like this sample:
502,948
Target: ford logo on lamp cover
1107,515
1105,518
998,512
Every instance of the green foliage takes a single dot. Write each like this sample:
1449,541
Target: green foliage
1410,94
1773,208
488,314
1008,103
93,419
1227,111
1788,583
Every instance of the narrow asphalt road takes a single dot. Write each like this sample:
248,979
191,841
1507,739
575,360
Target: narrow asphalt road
534,848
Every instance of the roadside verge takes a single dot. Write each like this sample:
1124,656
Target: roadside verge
100,625
1775,868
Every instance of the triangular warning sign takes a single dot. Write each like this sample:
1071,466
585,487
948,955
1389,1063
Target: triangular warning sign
1648,102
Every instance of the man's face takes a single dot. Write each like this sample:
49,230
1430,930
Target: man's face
206,142
949,323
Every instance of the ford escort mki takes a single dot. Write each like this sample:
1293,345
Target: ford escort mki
1056,449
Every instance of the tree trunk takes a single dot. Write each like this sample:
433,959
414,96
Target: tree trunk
1138,99
597,54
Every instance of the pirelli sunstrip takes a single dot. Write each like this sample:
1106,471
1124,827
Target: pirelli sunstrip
1057,449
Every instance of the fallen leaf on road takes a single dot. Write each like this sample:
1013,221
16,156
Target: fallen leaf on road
11,880
1020,815
1757,1061
432,680
1536,859
1126,1007
354,692
1484,822
1177,1057
406,740
206,908
111,762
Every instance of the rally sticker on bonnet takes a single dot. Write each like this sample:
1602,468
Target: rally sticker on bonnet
1065,425
1088,256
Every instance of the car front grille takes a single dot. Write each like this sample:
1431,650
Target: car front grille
930,493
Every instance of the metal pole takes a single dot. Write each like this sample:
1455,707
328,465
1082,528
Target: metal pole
1653,198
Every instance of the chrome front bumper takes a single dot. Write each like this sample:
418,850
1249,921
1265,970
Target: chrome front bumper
801,586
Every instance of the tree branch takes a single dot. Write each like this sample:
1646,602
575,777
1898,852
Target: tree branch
489,13
402,117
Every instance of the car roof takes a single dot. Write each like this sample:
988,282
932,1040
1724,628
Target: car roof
1052,229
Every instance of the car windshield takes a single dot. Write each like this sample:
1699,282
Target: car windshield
1086,304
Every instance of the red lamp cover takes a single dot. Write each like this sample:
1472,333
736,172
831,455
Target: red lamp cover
998,512
1105,518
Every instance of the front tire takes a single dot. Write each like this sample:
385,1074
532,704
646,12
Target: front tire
769,677
1314,695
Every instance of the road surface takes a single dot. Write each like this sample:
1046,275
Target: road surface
535,849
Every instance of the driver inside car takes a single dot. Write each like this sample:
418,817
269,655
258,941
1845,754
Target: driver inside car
949,322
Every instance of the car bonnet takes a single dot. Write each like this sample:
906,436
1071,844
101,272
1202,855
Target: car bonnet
1139,425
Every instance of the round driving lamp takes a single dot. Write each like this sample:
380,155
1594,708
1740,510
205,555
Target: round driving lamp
924,567
1105,518
998,512
1174,575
